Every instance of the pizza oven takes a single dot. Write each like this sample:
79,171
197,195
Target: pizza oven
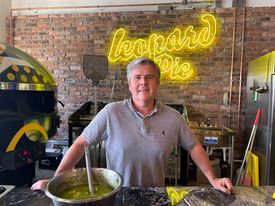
28,114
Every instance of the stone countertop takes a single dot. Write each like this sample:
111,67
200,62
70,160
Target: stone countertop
134,196
248,196
137,196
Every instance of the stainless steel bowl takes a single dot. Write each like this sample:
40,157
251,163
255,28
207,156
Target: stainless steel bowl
78,177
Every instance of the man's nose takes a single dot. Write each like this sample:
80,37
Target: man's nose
143,80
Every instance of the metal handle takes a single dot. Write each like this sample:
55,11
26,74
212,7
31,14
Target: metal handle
89,168
262,89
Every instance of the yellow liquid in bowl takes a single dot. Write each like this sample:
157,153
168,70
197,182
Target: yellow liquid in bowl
80,192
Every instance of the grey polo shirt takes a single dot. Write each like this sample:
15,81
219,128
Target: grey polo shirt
138,147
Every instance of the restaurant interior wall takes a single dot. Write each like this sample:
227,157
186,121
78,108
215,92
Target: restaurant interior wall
61,40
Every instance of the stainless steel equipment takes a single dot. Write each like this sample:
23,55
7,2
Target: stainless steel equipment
4,189
28,114
76,177
260,93
217,139
214,137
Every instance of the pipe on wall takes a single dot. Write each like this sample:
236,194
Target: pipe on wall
241,70
80,7
231,69
11,29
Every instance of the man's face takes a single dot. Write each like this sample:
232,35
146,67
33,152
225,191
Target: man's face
143,83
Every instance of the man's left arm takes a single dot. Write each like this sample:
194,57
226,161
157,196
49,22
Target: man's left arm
201,159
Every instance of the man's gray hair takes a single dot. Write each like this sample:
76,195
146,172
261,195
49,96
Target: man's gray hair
142,61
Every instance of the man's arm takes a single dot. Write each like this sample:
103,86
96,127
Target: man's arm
72,156
200,158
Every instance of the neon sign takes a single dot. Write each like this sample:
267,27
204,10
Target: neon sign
162,48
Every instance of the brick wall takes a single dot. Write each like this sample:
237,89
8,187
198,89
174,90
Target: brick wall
60,41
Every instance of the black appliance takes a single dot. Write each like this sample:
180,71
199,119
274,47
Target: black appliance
82,117
28,114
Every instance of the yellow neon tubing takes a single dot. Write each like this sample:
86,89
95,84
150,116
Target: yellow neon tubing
124,48
20,133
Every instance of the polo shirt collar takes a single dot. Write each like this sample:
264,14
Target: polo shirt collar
132,108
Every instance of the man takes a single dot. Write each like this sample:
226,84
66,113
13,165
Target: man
140,134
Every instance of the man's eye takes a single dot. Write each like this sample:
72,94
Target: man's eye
137,77
149,77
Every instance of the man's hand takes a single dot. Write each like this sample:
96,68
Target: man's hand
223,184
40,185
72,156
200,158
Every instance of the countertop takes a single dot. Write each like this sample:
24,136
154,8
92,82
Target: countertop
137,196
